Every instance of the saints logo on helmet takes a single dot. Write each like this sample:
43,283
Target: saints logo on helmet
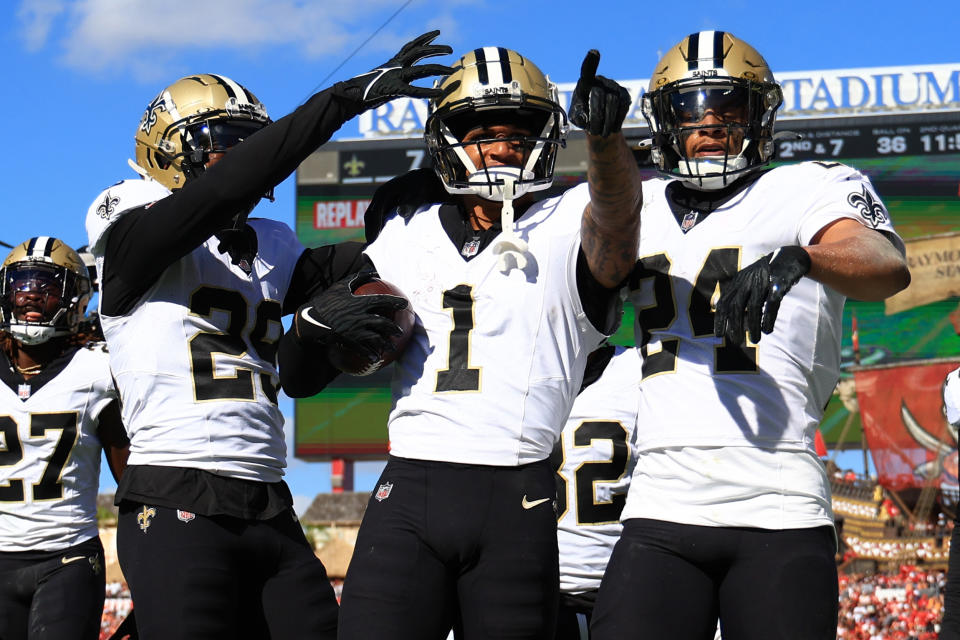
494,85
192,118
712,82
44,290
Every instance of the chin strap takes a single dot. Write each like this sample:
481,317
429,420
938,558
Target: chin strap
510,249
140,170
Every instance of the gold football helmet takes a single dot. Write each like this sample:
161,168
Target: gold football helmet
190,119
44,290
712,72
494,85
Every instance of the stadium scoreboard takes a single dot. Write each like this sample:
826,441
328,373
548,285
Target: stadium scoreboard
899,125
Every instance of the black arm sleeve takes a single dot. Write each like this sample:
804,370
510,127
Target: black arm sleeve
144,242
601,305
319,268
304,369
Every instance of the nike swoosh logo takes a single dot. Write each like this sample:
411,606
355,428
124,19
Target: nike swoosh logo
69,560
530,504
306,316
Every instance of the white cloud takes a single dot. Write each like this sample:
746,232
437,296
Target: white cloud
37,18
141,37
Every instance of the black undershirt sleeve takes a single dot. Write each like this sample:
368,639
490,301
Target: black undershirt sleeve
602,305
319,268
144,242
304,368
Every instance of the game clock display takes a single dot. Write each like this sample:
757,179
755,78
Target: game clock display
869,138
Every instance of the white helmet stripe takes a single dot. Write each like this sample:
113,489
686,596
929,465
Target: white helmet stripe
494,71
40,247
705,51
233,88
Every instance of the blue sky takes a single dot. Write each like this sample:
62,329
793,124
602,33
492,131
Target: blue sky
77,75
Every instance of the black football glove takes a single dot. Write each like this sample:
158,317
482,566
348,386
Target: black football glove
336,316
392,79
406,193
750,300
599,104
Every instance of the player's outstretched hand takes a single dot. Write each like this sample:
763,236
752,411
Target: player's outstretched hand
336,316
750,301
599,104
393,79
406,193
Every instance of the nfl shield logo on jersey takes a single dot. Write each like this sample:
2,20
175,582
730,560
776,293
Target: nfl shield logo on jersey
185,516
23,391
383,491
689,220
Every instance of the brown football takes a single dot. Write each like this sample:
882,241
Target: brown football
357,363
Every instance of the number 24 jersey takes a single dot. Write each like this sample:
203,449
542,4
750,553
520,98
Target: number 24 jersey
698,389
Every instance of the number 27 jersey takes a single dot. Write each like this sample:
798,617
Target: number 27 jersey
50,454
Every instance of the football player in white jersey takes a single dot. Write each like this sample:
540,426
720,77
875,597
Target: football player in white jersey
728,512
594,459
510,296
191,297
950,625
58,410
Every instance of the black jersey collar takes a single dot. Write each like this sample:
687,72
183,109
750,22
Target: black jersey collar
15,380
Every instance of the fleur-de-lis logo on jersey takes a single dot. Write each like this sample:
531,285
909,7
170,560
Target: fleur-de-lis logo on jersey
105,209
150,115
143,518
870,210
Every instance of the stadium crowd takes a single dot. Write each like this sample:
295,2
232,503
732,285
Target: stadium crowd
903,606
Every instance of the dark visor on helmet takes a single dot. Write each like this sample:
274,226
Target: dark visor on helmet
34,279
690,106
220,135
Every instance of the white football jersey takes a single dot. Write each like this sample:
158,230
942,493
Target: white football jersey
496,358
699,391
195,360
598,455
50,458
951,397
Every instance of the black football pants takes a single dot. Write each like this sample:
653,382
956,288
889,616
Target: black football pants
223,578
446,545
669,580
52,595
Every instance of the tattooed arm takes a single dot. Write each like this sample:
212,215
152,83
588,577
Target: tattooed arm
610,230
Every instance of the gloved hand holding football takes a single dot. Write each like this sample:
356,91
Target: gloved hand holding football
361,326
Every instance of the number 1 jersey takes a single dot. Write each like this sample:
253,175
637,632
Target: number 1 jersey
496,358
